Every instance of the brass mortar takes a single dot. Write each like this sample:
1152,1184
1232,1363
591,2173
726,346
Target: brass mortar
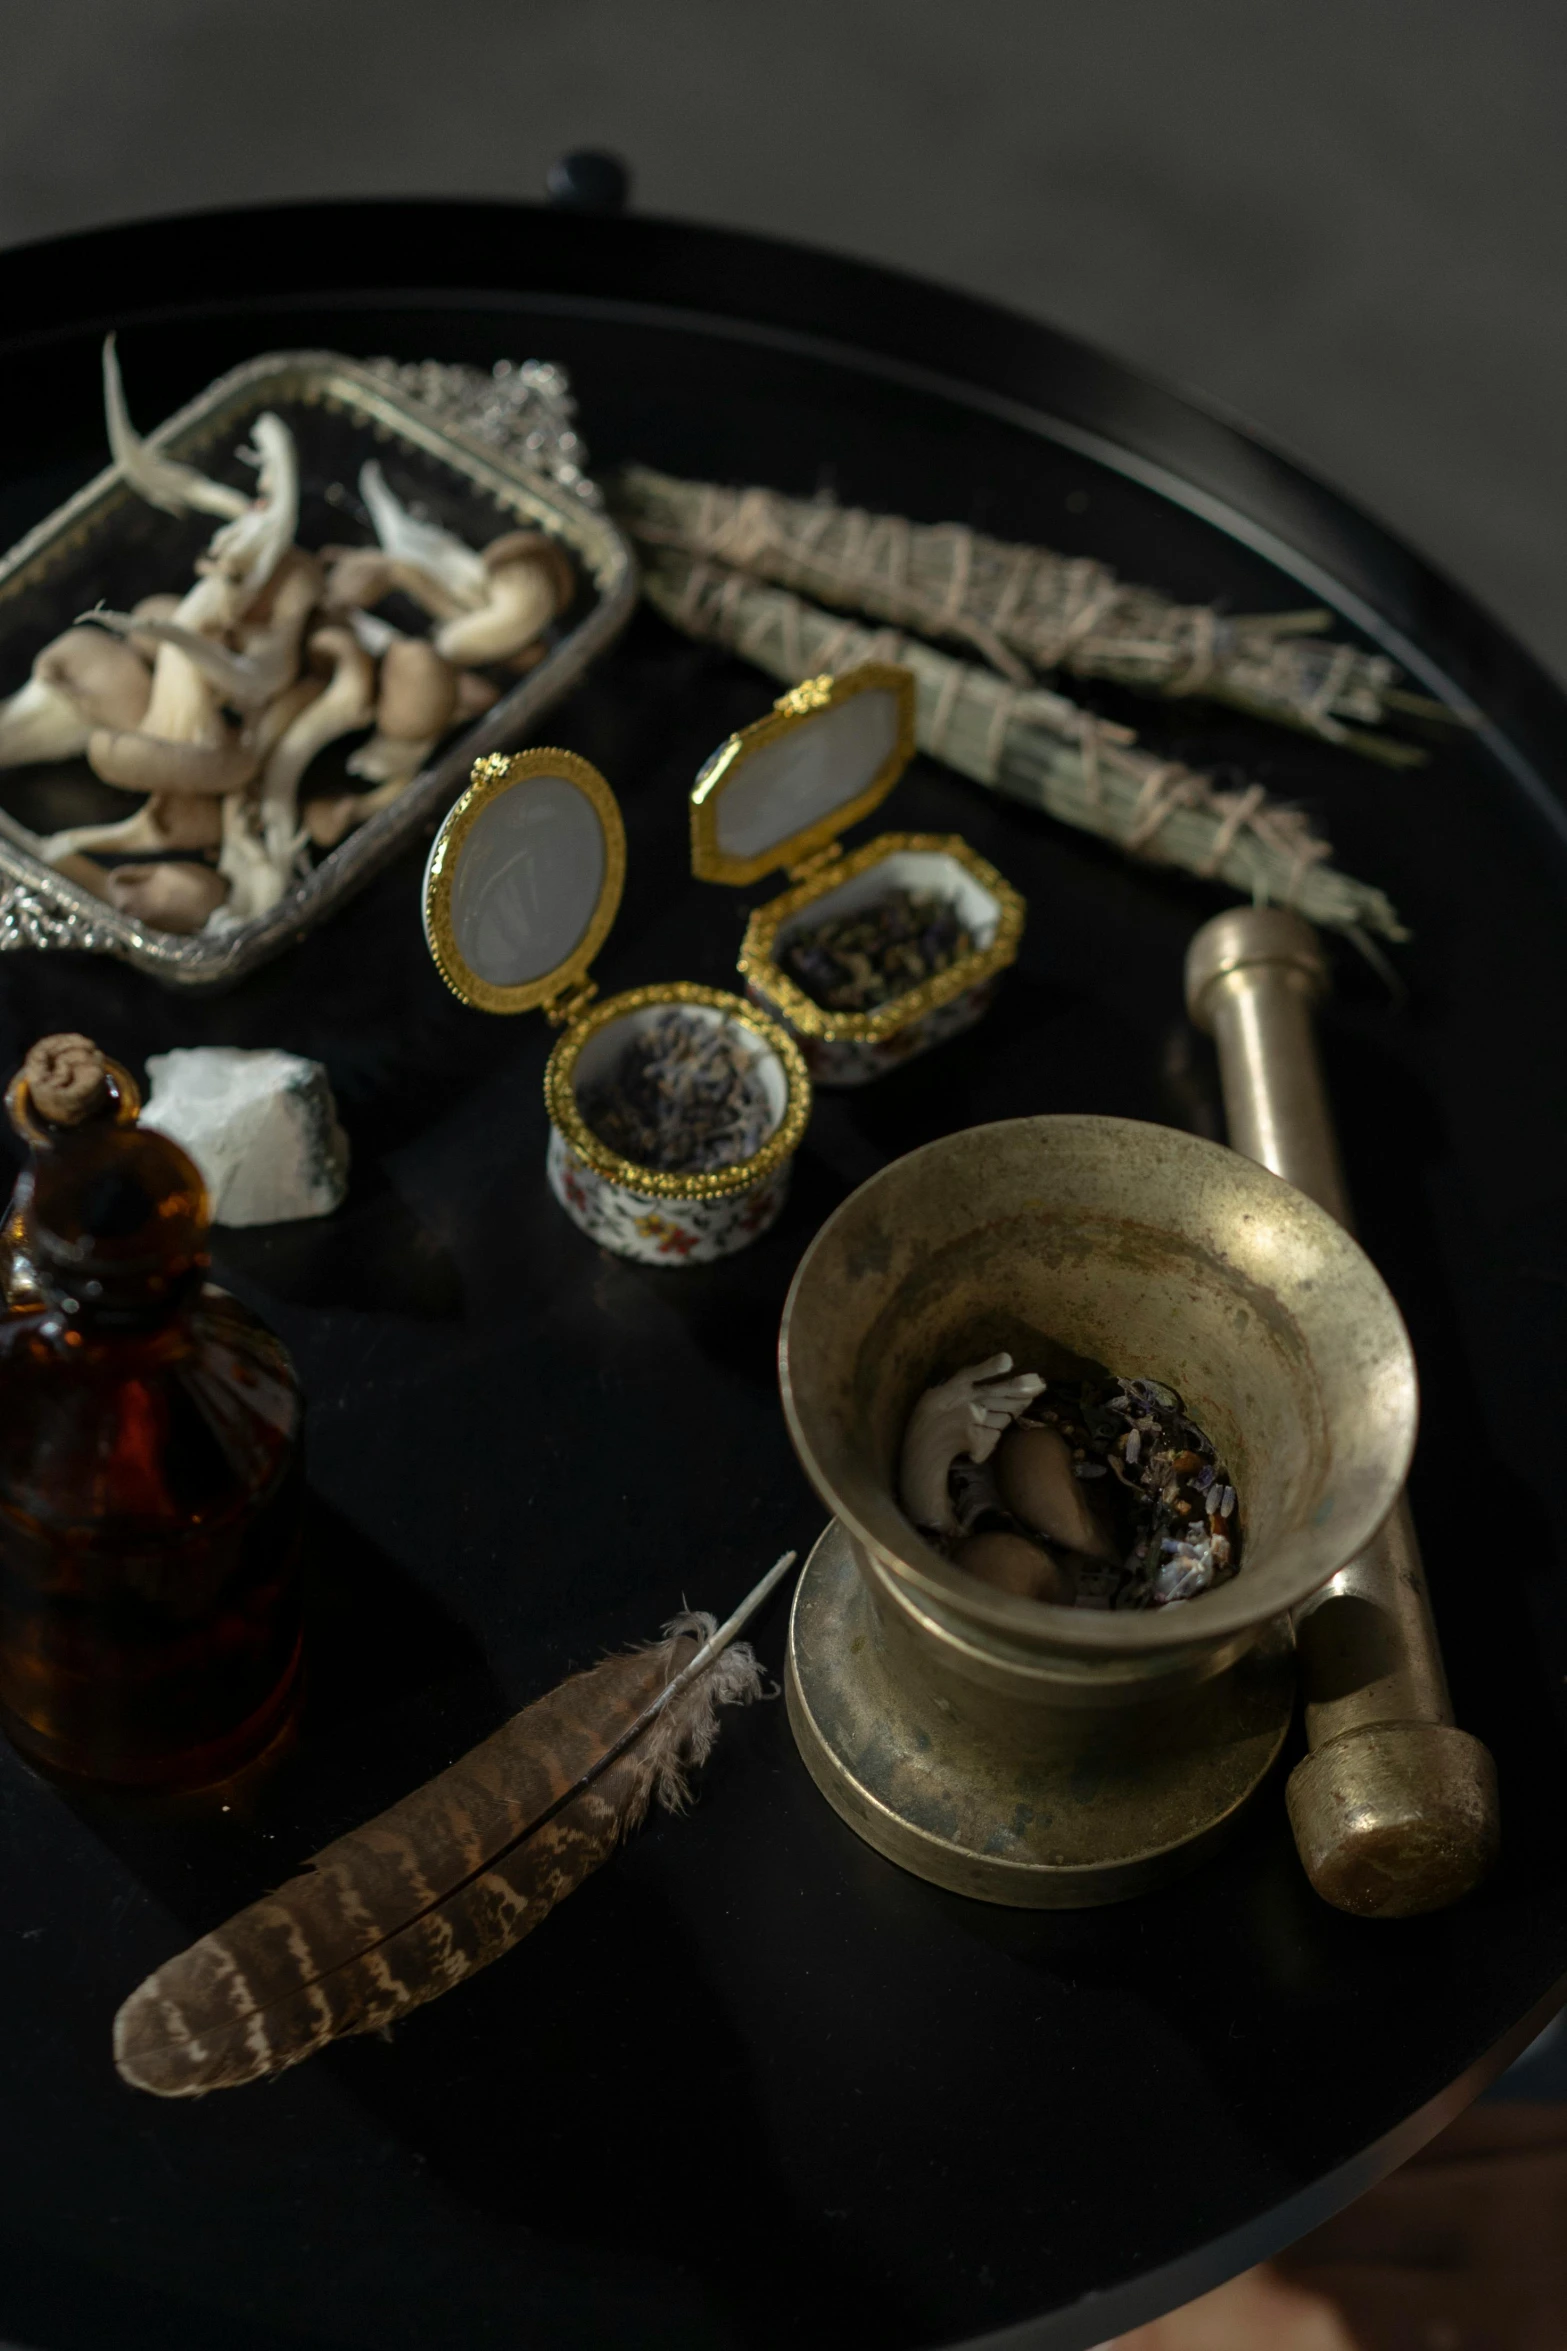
1044,1756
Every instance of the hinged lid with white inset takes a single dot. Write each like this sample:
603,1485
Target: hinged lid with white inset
781,791
523,883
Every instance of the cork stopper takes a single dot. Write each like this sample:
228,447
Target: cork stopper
67,1079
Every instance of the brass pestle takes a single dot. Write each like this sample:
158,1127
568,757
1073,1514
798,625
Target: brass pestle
1045,1756
1394,1809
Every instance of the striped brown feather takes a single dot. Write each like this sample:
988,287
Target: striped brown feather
402,1909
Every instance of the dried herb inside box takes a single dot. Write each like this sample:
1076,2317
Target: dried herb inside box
682,1096
859,960
872,957
675,1110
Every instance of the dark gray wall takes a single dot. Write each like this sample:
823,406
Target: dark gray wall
1345,218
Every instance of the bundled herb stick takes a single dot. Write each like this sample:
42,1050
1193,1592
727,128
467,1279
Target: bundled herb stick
684,1097
1025,609
854,962
1034,745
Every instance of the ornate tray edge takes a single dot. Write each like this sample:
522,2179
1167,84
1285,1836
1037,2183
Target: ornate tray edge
41,909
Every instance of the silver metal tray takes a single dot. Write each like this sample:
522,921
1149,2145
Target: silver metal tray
107,545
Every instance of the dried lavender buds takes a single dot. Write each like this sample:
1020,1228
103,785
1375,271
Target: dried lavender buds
857,961
684,1097
1122,1499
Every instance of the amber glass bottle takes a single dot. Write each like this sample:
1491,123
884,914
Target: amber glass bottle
149,1468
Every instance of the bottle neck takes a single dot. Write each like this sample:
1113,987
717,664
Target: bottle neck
117,1226
42,1109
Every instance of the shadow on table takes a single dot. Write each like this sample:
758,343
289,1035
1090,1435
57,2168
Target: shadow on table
1464,2249
593,2094
395,1689
374,1256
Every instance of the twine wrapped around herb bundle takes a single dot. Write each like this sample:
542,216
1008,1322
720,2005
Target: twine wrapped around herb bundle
1025,609
1036,746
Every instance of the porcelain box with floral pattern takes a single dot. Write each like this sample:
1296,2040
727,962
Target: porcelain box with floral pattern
675,1111
870,958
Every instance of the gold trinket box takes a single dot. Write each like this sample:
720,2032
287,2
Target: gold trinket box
778,795
520,892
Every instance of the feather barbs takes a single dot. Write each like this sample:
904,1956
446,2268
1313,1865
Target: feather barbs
448,1879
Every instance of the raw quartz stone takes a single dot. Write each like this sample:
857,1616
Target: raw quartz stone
261,1126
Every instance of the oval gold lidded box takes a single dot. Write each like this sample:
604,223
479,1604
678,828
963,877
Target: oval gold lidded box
777,795
520,892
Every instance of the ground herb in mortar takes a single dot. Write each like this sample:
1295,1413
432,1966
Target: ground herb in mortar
854,962
1156,1512
684,1097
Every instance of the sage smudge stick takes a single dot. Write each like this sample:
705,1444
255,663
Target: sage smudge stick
1026,609
1036,746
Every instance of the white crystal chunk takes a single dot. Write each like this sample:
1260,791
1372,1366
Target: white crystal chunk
261,1126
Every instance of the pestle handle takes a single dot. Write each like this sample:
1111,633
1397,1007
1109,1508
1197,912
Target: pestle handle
1394,1809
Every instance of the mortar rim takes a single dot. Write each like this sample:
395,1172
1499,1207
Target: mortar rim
1023,1626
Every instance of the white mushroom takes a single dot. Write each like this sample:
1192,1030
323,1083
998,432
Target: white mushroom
171,897
185,820
83,679
183,743
375,634
85,873
528,581
38,723
189,820
1038,1484
268,635
415,705
82,871
439,560
328,820
267,727
969,1414
231,677
255,882
245,553
164,821
361,576
346,704
331,820
151,608
162,481
107,680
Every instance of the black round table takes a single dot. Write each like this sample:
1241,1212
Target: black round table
753,2087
